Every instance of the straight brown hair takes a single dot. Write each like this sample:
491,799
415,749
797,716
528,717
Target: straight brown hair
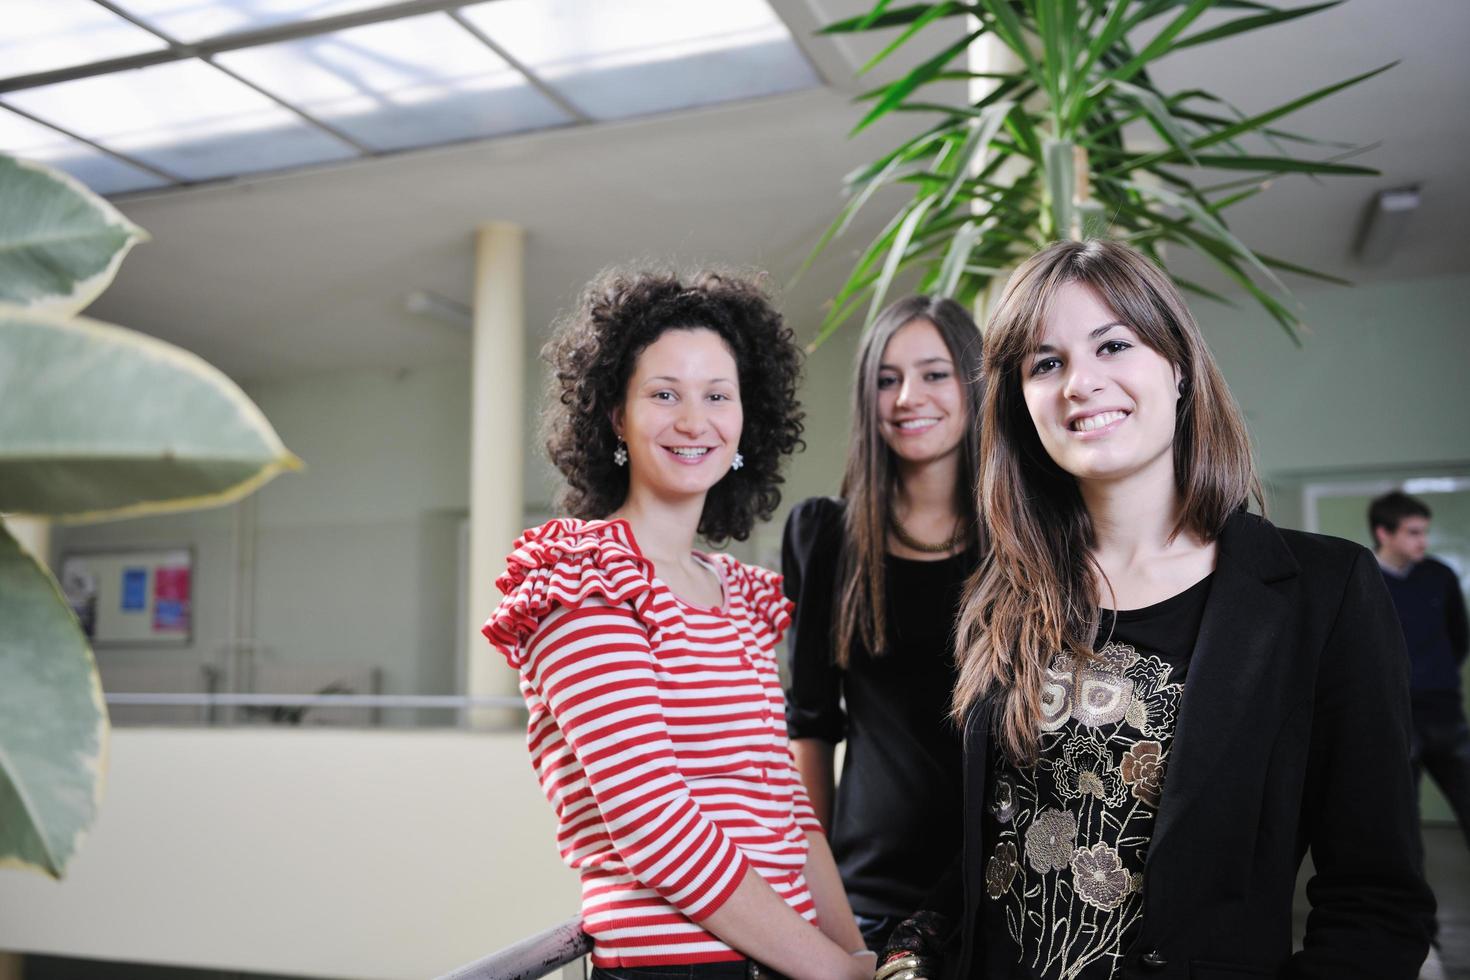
871,475
1035,593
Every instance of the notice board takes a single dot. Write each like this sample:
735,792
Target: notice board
131,597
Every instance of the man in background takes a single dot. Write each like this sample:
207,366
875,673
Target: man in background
1431,608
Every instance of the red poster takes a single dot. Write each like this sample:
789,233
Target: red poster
171,600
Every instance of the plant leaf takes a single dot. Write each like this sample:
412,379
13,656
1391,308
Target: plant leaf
1061,182
53,724
1212,225
1244,24
983,131
953,266
99,421
60,244
900,90
1163,41
1302,270
1254,122
922,21
896,254
1284,165
1008,27
887,18
1155,109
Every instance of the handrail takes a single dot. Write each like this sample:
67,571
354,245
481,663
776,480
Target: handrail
530,958
206,699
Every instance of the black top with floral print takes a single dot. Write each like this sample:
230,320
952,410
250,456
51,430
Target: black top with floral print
1068,837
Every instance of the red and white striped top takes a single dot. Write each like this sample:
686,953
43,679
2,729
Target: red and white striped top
658,732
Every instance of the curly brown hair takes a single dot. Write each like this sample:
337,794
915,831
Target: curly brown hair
592,356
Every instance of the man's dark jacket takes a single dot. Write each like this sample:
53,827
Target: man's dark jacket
1293,733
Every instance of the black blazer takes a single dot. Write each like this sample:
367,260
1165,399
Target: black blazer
1293,733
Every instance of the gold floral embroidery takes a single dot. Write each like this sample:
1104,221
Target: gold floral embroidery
1143,771
1083,815
1100,879
1050,840
1001,869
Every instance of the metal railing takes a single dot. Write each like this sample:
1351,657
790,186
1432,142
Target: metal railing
536,956
231,709
209,700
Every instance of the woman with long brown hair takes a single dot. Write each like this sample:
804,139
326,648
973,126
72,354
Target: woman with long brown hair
1166,700
877,575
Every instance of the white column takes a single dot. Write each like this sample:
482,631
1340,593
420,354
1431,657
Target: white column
988,54
497,447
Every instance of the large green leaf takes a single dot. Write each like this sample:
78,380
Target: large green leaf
53,726
60,244
99,422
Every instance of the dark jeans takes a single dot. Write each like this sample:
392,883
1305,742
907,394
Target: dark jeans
1441,746
876,929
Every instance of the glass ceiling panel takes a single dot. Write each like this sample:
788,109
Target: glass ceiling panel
640,56
195,20
409,82
41,35
186,118
104,174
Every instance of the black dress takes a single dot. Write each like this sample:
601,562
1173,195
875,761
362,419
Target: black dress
896,819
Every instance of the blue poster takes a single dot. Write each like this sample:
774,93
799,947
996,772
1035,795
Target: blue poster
134,589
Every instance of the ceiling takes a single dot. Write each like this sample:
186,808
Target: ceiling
308,271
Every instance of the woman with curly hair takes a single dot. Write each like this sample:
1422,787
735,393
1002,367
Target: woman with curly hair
1165,699
876,575
656,716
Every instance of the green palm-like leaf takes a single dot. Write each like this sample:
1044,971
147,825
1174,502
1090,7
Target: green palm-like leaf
900,90
1081,83
1252,23
53,725
98,421
60,244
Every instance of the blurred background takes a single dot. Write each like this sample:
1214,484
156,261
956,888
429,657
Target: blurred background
369,214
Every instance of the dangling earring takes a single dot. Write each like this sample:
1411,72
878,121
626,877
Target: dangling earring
620,454
738,461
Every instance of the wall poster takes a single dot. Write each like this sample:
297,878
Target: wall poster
131,597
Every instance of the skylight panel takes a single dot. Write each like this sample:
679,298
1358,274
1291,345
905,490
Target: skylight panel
185,117
634,57
410,82
22,138
42,35
195,20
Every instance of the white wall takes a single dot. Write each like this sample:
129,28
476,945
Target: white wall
355,555
380,856
1380,382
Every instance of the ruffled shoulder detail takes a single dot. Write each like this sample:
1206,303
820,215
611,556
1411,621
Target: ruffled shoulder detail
563,563
761,589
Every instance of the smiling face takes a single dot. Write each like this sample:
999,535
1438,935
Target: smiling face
1103,402
681,416
921,403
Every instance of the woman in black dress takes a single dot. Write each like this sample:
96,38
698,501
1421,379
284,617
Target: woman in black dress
876,576
1166,700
